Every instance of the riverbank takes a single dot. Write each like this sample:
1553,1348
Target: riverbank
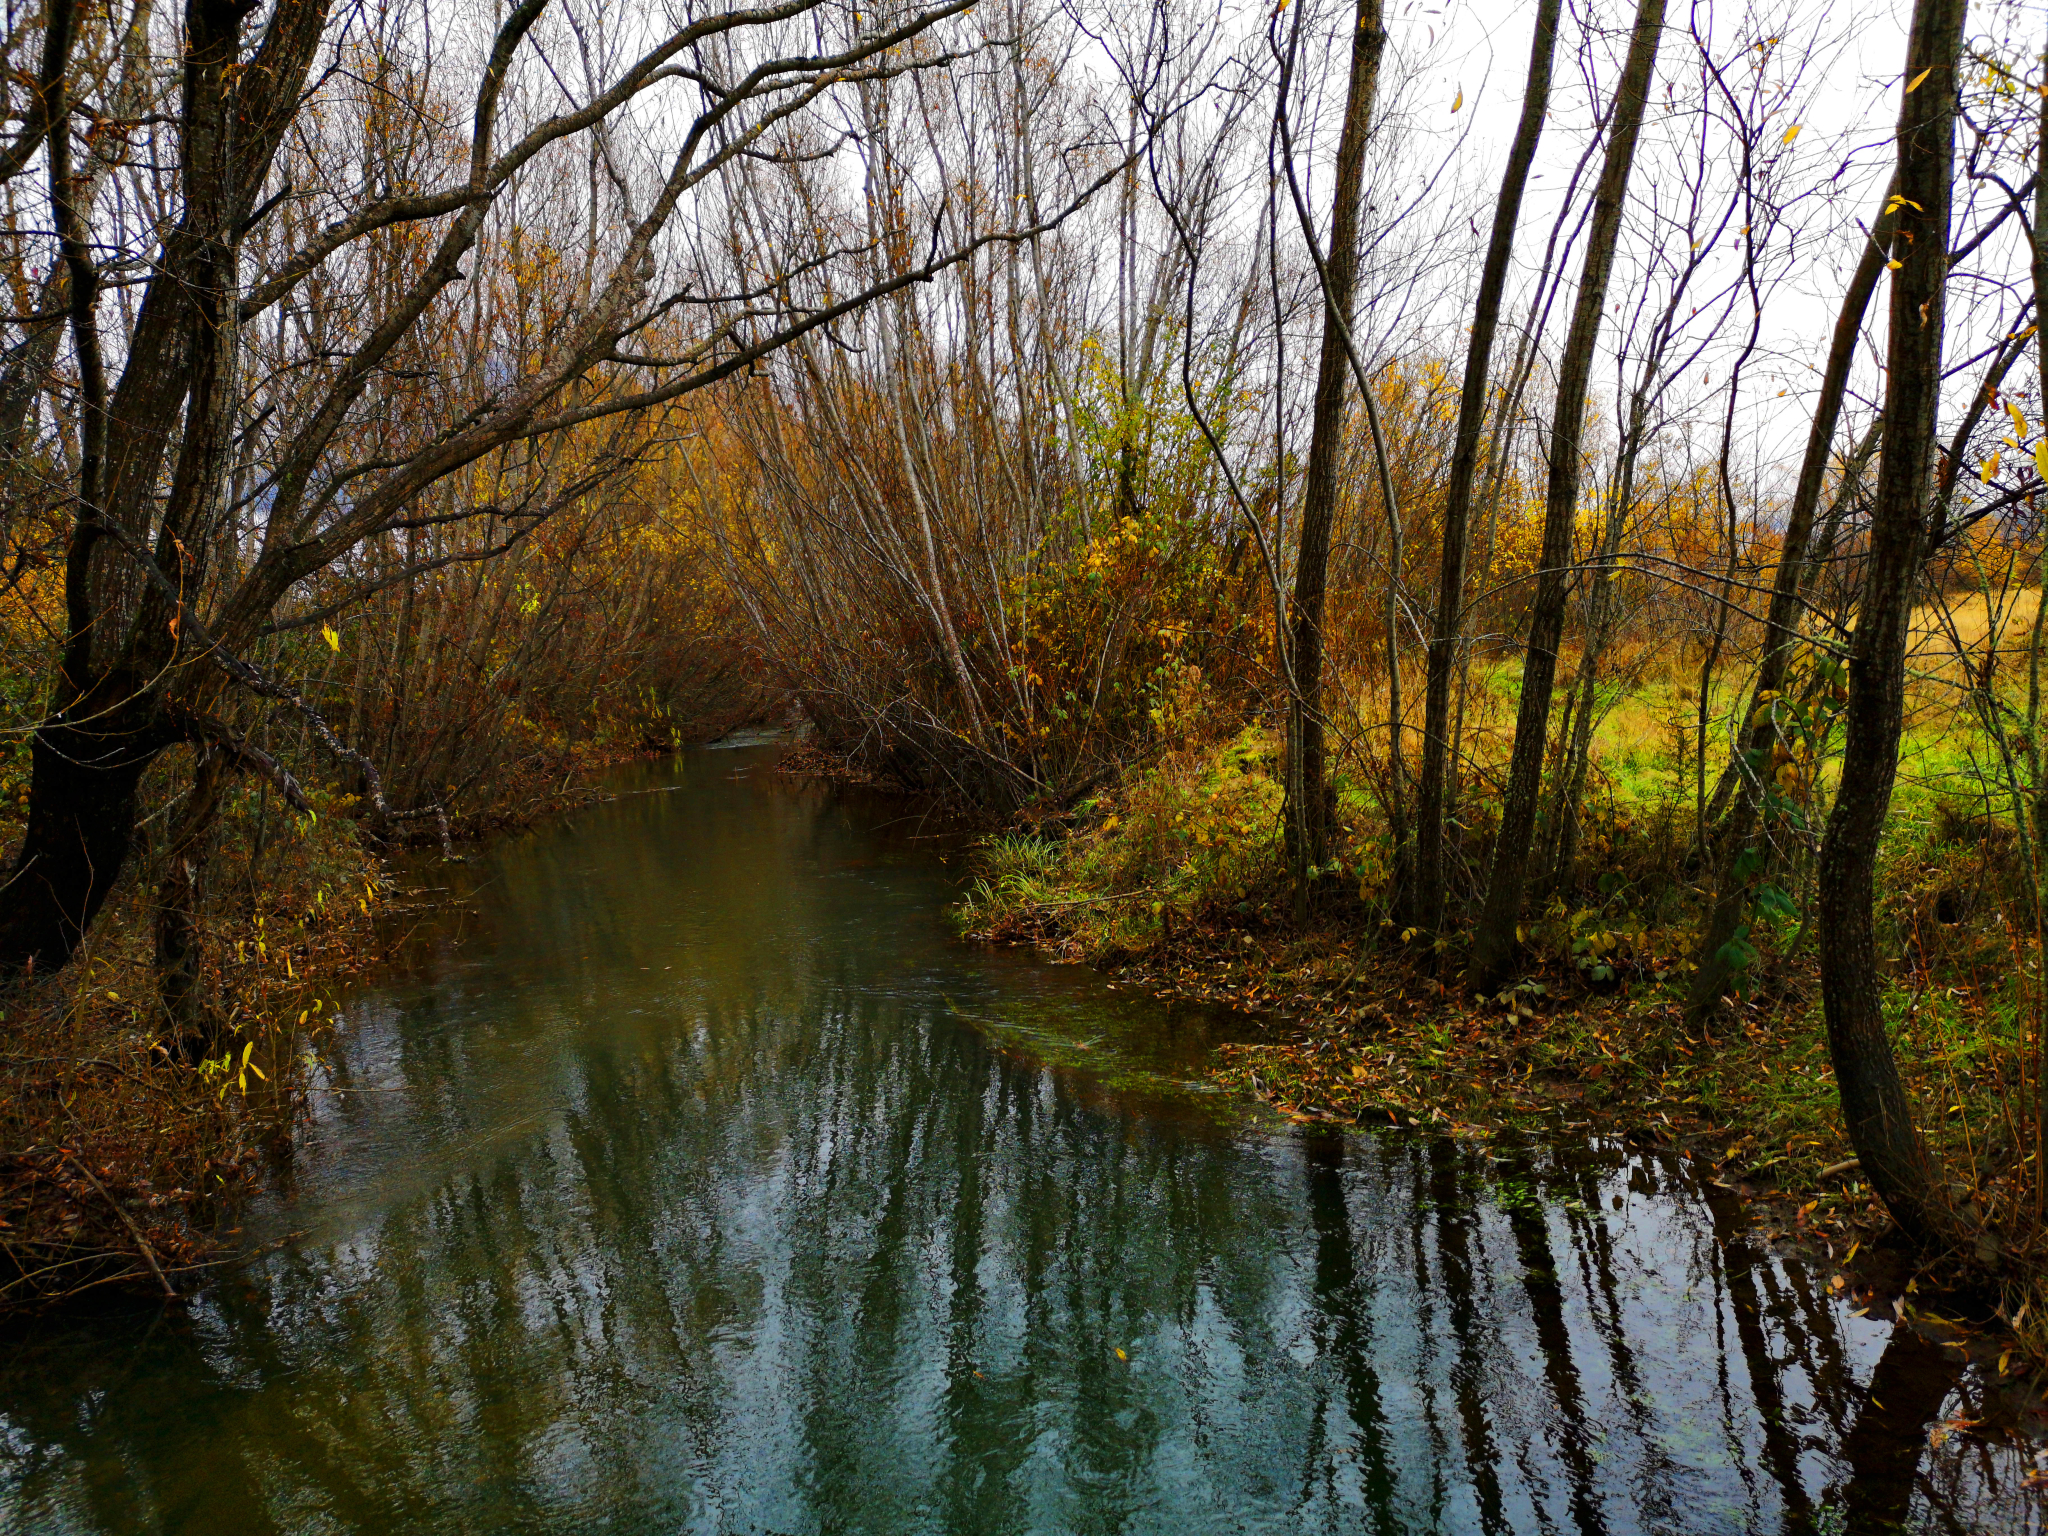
1171,882
122,1165
1360,1041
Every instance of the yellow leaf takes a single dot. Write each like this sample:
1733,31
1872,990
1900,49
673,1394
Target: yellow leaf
1918,78
1790,134
2041,457
1460,101
1121,1355
1893,265
333,640
1990,467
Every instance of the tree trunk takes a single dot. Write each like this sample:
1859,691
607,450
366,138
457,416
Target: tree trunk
81,820
1457,532
1494,941
1874,1102
1715,974
1575,758
106,721
181,894
1308,819
2038,785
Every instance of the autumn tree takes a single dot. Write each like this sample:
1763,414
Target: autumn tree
175,568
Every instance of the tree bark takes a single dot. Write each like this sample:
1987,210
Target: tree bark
123,637
1308,819
180,897
2039,785
1875,1106
1494,940
1431,799
85,764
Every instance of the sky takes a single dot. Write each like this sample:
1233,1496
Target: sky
1475,55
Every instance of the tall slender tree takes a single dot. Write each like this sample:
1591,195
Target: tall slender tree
1308,813
1457,530
1875,1107
1716,967
1494,941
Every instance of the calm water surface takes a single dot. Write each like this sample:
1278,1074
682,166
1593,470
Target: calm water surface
691,1179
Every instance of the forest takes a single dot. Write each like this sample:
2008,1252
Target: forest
1511,542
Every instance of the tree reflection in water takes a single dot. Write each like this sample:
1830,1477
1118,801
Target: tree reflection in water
685,1193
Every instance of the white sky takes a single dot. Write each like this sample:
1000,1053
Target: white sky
1480,50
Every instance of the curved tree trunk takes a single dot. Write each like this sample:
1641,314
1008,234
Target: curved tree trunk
1494,941
81,820
1874,1102
120,663
1431,798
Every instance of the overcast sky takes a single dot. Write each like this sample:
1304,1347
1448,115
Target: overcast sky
1476,55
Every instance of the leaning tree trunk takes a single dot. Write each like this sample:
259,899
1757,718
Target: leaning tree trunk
1715,974
1308,819
1494,941
1431,798
1874,1101
89,754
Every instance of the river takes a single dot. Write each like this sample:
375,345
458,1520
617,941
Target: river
688,1176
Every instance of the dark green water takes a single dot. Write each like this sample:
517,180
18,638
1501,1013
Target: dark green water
691,1179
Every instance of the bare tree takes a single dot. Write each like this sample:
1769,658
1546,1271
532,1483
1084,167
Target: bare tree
1494,940
162,607
1309,795
1457,525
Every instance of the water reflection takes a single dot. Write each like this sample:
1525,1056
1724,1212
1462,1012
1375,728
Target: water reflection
682,1187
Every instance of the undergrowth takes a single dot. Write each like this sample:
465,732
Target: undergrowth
119,1162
